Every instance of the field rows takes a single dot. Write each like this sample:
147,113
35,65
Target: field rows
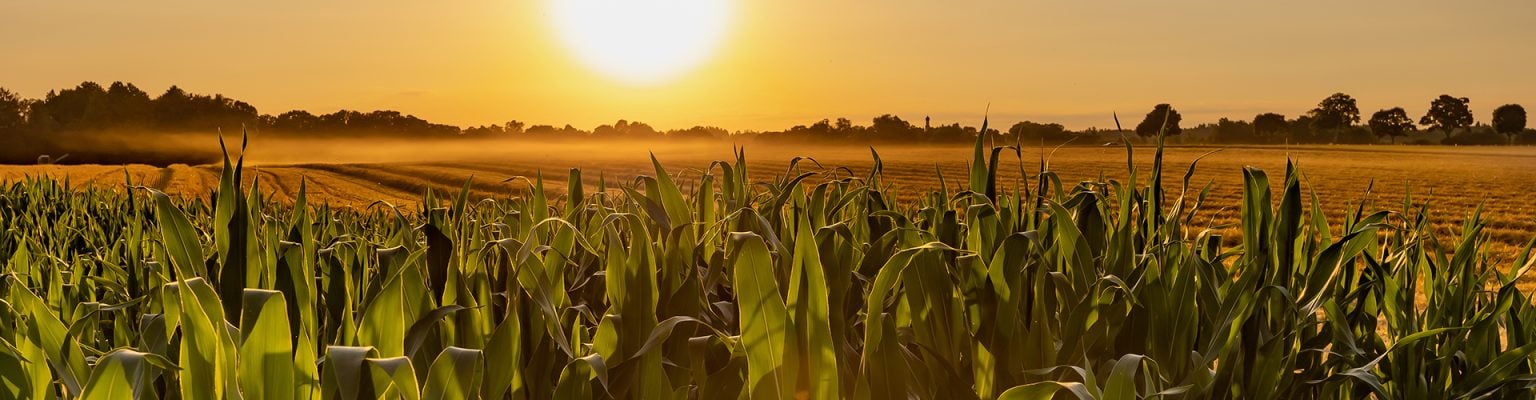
1455,181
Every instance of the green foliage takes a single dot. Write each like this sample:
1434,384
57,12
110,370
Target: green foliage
809,284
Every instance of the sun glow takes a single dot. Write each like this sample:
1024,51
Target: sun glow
642,42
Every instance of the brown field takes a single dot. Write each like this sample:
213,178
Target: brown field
358,173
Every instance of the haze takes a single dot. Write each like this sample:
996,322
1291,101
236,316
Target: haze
792,62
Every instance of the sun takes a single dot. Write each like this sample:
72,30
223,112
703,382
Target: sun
643,42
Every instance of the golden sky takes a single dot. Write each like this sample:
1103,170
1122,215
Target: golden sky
787,62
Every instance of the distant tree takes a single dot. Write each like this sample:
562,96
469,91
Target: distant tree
571,132
81,107
541,131
127,105
625,129
178,110
1229,131
1477,135
1028,132
1163,118
296,121
1268,125
1509,119
1391,123
1448,114
1334,114
13,112
698,132
891,127
514,127
172,106
639,129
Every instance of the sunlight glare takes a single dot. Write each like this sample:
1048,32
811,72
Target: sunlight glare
643,42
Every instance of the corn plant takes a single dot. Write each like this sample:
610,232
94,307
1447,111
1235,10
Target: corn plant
817,283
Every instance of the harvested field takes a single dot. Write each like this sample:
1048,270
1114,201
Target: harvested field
1455,180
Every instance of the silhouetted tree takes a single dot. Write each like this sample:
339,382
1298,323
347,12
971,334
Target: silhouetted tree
514,127
891,127
178,110
1163,118
1300,130
1229,131
843,126
625,129
541,131
1268,125
1334,114
698,132
13,113
1509,119
954,133
1028,132
1391,123
492,130
127,106
1448,114
81,107
296,121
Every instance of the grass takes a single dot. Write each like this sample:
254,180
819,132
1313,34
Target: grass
1007,279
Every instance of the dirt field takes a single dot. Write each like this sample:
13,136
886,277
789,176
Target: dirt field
355,174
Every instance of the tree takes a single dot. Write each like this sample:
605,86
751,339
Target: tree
81,107
1300,130
1268,125
1163,118
1448,114
892,127
12,112
1509,119
1031,132
1391,123
1335,112
296,121
127,105
843,126
1229,131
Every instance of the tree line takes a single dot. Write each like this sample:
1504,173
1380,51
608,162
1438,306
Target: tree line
88,107
1337,120
123,106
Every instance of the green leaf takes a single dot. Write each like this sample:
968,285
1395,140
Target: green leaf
455,374
576,379
392,378
118,375
1045,391
45,330
266,347
344,372
813,316
178,236
766,330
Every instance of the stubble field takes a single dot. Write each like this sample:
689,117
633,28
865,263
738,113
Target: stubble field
360,174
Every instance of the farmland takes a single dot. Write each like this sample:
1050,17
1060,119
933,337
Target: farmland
1455,180
606,273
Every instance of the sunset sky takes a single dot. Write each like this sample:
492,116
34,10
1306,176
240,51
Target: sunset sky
785,62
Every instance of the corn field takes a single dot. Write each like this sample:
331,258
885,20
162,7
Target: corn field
818,283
